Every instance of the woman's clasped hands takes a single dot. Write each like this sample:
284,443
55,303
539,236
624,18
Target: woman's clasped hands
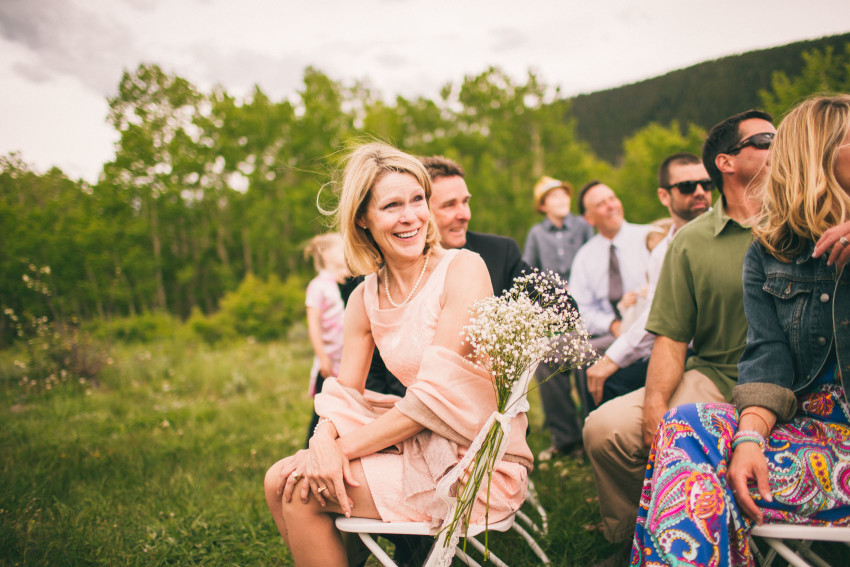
322,470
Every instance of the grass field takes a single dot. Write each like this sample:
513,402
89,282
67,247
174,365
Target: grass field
162,462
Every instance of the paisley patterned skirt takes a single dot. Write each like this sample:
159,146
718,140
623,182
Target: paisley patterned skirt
687,514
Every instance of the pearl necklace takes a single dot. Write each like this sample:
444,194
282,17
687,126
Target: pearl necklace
412,291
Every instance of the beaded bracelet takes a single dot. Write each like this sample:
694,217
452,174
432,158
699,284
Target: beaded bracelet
318,425
748,436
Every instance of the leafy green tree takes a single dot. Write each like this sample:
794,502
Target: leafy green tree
506,135
153,113
823,71
41,216
636,179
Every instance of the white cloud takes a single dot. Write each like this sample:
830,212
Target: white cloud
67,39
75,51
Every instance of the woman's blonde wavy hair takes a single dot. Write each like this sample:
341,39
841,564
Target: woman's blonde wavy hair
365,166
802,197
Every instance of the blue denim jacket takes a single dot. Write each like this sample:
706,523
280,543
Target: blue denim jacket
797,312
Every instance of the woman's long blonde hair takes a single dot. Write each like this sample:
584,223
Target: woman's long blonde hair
365,167
802,197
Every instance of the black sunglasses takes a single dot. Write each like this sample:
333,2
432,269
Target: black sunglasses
688,187
760,141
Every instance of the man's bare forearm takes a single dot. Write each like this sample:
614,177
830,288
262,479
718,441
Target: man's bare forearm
666,367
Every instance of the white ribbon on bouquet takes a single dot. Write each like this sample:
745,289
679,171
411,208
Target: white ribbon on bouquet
443,551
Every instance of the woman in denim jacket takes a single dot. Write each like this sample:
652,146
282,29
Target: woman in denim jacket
780,453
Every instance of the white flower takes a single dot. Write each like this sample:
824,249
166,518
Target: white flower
535,321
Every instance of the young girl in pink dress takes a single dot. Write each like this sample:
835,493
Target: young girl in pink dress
380,456
325,311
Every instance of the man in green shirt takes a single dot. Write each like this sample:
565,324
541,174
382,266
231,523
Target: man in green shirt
699,299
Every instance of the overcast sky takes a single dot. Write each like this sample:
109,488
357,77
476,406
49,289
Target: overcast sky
61,59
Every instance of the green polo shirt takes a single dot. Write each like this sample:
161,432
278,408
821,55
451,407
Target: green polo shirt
700,295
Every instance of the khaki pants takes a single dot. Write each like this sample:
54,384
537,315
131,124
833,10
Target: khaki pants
613,440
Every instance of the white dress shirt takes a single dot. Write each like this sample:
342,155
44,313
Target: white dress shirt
636,343
589,274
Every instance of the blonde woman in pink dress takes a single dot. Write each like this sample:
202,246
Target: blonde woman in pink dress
380,456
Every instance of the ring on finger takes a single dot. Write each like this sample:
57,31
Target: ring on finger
321,489
843,240
295,476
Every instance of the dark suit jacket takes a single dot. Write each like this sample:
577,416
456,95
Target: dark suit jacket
502,256
504,262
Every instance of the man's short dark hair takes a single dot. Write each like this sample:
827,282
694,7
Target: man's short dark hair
682,158
722,137
439,166
587,187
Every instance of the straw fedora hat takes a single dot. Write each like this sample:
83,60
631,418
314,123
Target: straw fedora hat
546,184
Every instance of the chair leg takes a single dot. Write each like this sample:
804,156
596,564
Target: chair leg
787,553
811,555
798,554
491,557
531,543
377,550
466,558
528,522
531,498
761,559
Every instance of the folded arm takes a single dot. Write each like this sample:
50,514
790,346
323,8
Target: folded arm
467,281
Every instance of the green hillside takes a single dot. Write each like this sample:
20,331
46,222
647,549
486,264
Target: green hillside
703,94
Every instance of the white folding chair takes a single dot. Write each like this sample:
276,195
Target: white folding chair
533,501
793,543
365,528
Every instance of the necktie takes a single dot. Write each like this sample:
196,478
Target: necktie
615,281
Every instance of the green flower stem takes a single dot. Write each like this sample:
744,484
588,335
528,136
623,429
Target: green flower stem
483,463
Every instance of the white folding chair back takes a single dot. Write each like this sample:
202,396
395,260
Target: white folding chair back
365,528
793,543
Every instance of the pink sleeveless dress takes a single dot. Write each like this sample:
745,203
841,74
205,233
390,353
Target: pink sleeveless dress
445,393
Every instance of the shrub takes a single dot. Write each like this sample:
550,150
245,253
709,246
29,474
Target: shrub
263,310
56,350
143,328
210,328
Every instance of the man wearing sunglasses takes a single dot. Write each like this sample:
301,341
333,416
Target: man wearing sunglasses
699,298
685,189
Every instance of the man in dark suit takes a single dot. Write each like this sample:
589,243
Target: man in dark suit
450,208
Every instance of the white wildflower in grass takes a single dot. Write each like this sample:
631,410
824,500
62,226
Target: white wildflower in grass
535,321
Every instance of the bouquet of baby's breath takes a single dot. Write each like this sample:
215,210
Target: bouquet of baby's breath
510,335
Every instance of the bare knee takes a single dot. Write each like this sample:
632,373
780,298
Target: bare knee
296,510
271,483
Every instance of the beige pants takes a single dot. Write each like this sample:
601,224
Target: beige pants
613,440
